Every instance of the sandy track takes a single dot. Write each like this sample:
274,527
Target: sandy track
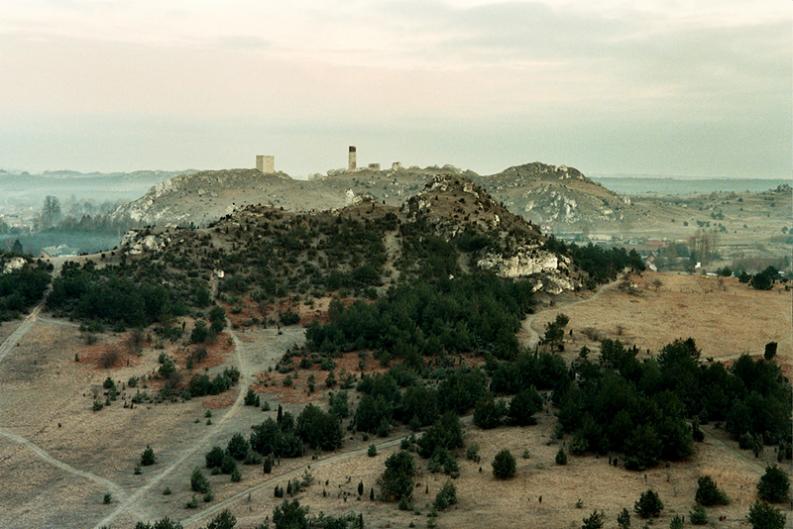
328,460
530,338
45,456
14,338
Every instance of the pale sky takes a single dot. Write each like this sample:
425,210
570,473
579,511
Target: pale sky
696,88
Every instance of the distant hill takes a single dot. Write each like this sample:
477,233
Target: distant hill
452,226
545,194
555,195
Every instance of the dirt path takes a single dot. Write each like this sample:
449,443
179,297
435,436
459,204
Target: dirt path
329,459
43,455
393,248
6,347
296,473
15,337
530,338
133,502
54,321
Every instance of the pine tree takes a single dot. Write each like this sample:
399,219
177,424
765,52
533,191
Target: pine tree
148,458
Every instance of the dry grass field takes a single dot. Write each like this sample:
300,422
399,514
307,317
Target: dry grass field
487,502
725,318
58,457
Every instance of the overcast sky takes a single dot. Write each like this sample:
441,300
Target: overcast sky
697,88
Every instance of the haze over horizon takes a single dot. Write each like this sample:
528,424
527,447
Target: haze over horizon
667,88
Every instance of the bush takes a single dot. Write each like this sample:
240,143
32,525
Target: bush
698,515
774,486
224,520
472,453
443,461
228,465
290,515
677,522
765,279
214,458
396,483
593,521
649,505
289,318
217,318
372,451
198,482
319,429
107,499
238,447
561,457
624,519
770,351
524,405
147,457
446,497
200,332
708,494
765,516
504,465
339,404
251,398
488,413
165,523
445,433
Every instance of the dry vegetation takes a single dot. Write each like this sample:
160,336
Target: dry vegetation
725,318
58,452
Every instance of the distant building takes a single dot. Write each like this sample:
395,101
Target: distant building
352,159
396,166
265,163
374,166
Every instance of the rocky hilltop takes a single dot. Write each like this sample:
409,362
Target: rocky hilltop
455,208
548,195
452,226
556,195
205,196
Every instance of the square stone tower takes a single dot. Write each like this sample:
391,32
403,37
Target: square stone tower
265,163
352,159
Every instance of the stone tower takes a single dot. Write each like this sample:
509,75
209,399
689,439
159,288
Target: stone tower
352,159
265,163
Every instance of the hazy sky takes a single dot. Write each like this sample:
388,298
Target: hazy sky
697,87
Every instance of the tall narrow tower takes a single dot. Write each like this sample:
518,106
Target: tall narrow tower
352,159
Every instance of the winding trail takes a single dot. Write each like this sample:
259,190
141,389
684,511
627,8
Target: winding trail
532,338
6,347
321,462
45,456
22,329
329,459
132,503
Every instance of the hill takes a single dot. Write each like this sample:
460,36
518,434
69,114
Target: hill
557,196
205,196
271,254
544,194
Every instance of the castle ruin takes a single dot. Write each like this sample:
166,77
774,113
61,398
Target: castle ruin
352,159
265,163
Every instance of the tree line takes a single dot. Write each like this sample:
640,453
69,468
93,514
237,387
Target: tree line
21,288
